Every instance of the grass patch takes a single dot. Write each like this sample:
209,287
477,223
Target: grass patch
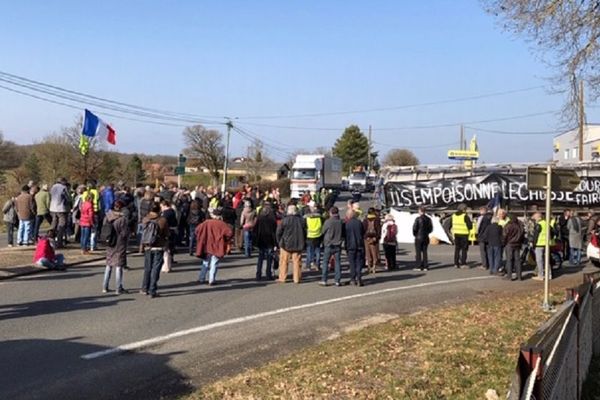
456,352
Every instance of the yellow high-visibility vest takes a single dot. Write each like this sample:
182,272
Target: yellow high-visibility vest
459,224
503,222
541,241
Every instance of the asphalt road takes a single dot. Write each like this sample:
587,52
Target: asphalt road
50,323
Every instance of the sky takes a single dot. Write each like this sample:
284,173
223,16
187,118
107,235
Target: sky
283,60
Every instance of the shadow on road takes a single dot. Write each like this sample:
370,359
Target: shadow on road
56,306
54,369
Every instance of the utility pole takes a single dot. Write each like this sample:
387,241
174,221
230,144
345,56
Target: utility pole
369,159
224,185
581,119
462,137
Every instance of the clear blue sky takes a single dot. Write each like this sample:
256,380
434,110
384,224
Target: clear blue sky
249,58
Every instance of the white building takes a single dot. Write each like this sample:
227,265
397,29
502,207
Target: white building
566,145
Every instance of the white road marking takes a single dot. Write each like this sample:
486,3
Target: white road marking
204,328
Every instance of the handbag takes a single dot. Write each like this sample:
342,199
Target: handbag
166,267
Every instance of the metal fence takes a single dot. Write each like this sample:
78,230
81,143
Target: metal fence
554,362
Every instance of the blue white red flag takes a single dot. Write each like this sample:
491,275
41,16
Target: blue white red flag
94,126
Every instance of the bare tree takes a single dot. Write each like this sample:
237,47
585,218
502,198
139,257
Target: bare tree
205,145
400,157
565,34
255,159
82,166
10,156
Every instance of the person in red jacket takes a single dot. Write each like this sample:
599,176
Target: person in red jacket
45,256
86,221
213,238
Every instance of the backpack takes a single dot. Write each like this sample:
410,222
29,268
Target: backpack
108,234
371,232
149,233
390,236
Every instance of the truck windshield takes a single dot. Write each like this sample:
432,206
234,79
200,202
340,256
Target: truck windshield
304,174
358,175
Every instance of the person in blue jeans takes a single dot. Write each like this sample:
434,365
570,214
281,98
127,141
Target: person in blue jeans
213,242
155,239
247,221
493,237
333,233
576,233
264,233
195,217
355,246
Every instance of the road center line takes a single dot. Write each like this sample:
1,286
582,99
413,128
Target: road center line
160,339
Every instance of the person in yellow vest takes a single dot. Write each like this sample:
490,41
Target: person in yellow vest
460,225
539,242
314,235
503,217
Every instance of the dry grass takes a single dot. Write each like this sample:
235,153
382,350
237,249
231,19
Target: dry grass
450,353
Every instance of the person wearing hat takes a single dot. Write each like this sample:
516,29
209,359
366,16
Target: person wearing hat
213,238
389,231
460,225
42,203
333,233
59,209
291,234
116,255
155,239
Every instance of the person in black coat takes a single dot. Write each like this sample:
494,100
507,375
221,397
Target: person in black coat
355,246
485,218
421,230
265,239
493,237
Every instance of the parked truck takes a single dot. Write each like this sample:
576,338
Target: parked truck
358,181
312,172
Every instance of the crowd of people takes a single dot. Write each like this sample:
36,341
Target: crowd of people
506,243
209,224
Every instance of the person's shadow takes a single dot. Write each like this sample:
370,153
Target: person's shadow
54,369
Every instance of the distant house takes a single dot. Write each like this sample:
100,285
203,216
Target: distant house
566,145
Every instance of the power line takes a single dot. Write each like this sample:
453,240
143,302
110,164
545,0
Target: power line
414,127
393,108
433,146
78,108
101,105
500,132
62,89
252,138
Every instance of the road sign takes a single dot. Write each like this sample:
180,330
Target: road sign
182,159
563,179
179,170
463,154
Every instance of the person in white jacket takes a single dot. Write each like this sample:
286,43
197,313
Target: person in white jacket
389,231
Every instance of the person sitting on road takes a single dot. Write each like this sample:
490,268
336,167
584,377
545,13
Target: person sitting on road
45,255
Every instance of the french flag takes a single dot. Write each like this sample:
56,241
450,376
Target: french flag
94,126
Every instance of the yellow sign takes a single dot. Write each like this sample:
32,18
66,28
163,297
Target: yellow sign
463,154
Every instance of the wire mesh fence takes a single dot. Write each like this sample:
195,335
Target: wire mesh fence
554,362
